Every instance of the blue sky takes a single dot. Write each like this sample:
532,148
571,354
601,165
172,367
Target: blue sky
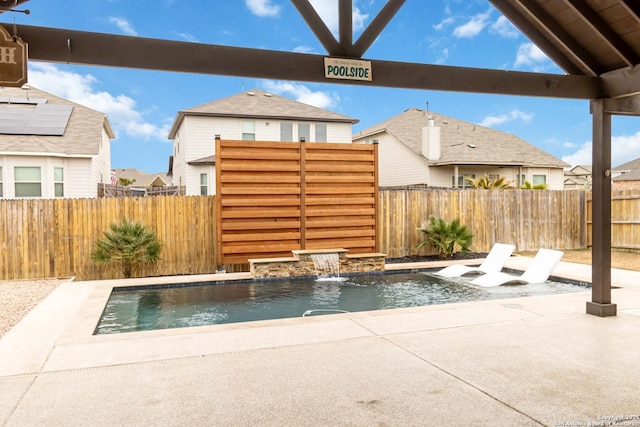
142,105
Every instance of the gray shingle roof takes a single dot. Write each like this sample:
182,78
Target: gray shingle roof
492,147
82,136
632,171
142,179
260,105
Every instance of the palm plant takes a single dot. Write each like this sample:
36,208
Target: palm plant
128,242
126,181
445,236
487,184
528,186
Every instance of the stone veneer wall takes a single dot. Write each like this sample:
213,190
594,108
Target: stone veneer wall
301,264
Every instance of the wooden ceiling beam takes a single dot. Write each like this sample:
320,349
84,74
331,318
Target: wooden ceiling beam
319,28
78,47
507,8
376,26
345,24
576,51
633,7
613,40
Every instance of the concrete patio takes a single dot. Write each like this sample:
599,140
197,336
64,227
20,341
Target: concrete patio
525,361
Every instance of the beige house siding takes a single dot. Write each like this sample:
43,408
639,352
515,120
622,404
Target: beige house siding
100,167
196,139
75,178
397,165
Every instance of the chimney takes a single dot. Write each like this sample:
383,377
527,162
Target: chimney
431,147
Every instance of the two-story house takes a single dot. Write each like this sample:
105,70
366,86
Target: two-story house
419,147
252,115
51,147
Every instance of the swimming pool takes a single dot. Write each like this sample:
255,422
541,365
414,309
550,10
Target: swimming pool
147,308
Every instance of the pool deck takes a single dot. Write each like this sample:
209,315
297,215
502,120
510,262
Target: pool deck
524,361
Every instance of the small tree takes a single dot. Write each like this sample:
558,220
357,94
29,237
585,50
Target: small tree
128,242
445,237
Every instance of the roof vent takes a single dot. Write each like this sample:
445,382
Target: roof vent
445,122
267,95
471,145
251,93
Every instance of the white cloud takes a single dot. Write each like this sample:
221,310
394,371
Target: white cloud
503,118
303,49
79,88
303,94
443,56
188,37
529,54
328,12
124,25
262,8
504,28
444,23
624,148
473,27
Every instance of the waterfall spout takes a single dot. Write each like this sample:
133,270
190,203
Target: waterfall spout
327,266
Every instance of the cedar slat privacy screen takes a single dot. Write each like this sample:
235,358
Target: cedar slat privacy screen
275,197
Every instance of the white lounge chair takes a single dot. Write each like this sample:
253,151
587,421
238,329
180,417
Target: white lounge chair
495,260
538,271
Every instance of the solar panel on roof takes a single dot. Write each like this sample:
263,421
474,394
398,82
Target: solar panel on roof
43,119
14,100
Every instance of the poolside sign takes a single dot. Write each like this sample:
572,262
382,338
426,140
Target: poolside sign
347,69
13,60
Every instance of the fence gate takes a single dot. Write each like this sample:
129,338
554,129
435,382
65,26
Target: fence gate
274,197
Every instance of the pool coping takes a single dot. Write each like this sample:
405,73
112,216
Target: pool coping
59,333
82,326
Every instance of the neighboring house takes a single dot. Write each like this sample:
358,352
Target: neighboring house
51,147
578,178
627,176
142,179
420,147
251,115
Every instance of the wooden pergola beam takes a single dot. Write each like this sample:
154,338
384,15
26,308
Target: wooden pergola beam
85,48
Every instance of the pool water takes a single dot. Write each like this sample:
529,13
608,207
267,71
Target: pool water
210,304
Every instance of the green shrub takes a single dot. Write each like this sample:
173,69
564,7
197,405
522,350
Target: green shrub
128,242
445,237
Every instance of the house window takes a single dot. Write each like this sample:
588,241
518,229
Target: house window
304,131
28,181
539,179
462,182
58,182
1,195
522,179
321,132
286,131
203,184
494,177
248,130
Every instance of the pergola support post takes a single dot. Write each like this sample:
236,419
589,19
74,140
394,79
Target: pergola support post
600,304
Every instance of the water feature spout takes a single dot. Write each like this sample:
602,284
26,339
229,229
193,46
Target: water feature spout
327,266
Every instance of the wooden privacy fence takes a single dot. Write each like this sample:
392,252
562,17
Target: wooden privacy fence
529,219
274,197
55,237
625,219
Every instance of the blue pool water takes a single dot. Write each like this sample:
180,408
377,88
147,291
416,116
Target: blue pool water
175,307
